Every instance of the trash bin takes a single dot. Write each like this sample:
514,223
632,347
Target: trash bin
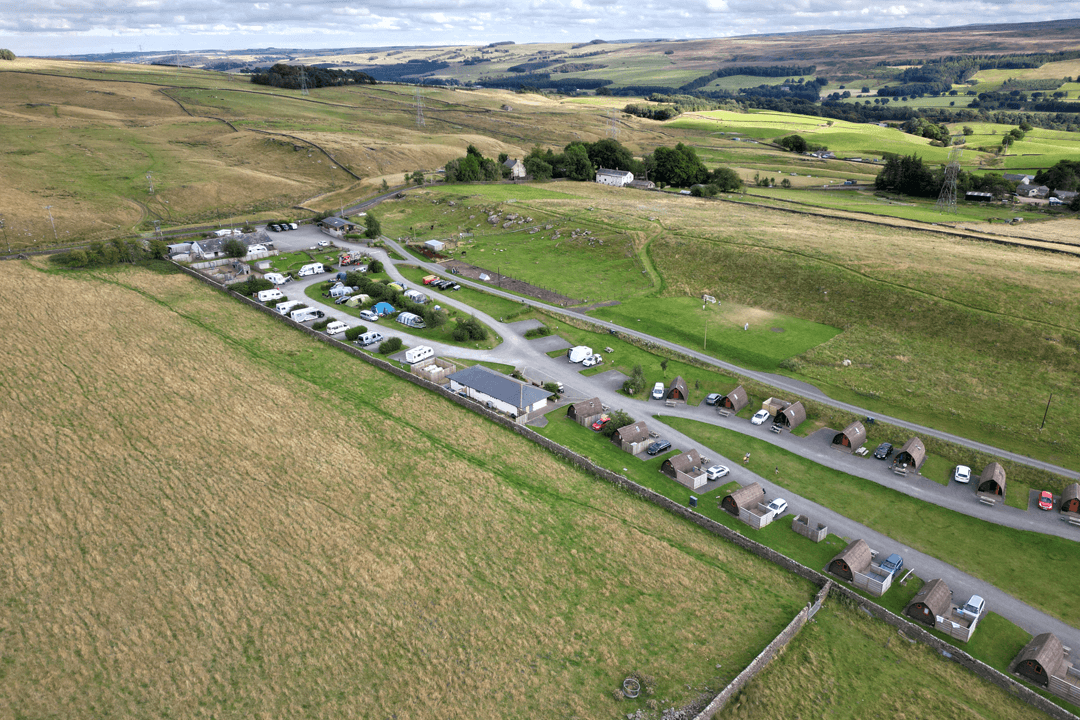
693,501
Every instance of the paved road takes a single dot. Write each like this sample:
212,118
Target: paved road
532,360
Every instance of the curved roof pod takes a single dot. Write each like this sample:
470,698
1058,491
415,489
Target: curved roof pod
792,416
931,601
913,453
853,436
992,480
1070,499
746,496
852,559
1040,658
735,400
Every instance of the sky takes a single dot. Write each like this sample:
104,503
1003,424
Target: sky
70,27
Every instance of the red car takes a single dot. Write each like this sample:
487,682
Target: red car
1046,500
599,424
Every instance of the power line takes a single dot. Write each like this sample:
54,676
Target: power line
946,201
419,109
613,127
303,83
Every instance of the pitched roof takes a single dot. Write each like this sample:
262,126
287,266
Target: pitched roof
587,408
631,433
495,384
1014,177
1046,650
614,173
510,162
684,462
335,222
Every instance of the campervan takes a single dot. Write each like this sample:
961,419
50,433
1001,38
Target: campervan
268,295
311,269
579,353
276,278
411,320
369,338
305,314
418,353
336,327
286,307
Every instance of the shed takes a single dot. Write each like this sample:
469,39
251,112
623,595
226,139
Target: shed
855,558
992,480
1070,499
1040,658
913,453
632,438
585,412
435,245
747,496
677,390
853,436
687,462
735,400
932,601
792,416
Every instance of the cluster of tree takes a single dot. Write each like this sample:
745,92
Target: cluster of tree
115,252
382,292
572,163
469,329
289,76
534,82
6,54
798,144
938,76
910,176
1064,175
678,166
619,419
531,66
652,112
474,167
405,71
922,127
751,70
809,91
676,105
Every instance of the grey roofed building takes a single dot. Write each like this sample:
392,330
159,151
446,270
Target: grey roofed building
517,168
1026,190
1065,194
500,387
1018,178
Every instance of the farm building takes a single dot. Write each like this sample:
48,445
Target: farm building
685,468
735,400
976,196
336,227
746,496
1012,177
855,558
992,480
677,390
853,436
912,454
498,391
1041,659
516,168
435,245
642,184
585,412
931,602
792,416
632,438
1070,499
618,178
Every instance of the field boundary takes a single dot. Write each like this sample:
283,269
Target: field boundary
952,652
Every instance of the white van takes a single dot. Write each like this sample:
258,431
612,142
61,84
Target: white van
336,327
276,278
305,314
369,338
268,295
418,353
286,307
311,269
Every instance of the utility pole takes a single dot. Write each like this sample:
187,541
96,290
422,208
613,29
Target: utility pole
55,236
705,345
1047,411
4,228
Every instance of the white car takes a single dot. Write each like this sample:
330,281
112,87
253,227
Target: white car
658,391
778,507
324,243
716,472
962,474
760,416
369,316
592,360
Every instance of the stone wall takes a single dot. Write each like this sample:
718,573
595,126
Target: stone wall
979,668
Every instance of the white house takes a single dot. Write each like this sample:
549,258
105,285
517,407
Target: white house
517,168
618,178
1035,191
435,245
497,391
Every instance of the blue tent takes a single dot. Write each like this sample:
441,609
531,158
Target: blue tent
383,308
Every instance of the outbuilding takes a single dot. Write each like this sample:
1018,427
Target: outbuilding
435,245
748,496
685,468
792,416
1041,659
853,436
735,400
586,412
336,227
632,438
912,454
992,480
498,391
677,390
1070,499
855,558
932,601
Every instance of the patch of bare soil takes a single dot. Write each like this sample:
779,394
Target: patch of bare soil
510,284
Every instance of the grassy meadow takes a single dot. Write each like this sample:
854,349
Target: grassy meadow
289,531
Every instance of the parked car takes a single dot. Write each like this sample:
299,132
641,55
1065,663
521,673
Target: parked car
892,564
778,507
712,398
599,424
658,391
324,243
883,451
592,360
760,416
962,474
658,447
343,299
369,316
716,472
974,606
275,227
1046,500
293,226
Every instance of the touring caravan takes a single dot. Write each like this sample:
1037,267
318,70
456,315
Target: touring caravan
311,269
305,314
286,307
418,353
268,295
276,278
336,327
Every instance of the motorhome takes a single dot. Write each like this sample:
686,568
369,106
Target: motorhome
579,353
369,338
305,314
418,353
336,327
268,295
276,278
311,269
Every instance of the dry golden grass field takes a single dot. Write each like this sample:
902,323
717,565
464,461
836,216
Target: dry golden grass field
207,515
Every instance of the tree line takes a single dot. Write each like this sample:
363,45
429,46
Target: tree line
6,54
295,76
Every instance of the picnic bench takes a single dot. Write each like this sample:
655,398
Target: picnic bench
776,429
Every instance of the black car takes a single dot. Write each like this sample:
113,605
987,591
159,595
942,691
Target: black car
883,451
275,228
658,447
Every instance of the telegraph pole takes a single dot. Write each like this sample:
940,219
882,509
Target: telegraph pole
4,228
55,236
1046,411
